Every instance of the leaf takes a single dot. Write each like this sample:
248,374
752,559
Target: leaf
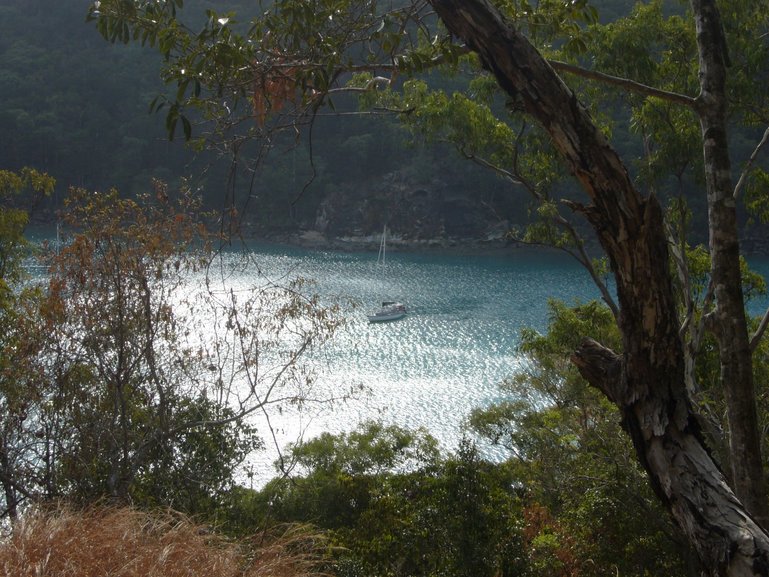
187,127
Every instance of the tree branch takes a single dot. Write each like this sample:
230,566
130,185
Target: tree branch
749,164
602,368
624,83
756,338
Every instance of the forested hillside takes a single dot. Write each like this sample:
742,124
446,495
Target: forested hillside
632,430
78,108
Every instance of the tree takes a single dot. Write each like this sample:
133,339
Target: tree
19,329
130,375
650,379
132,387
647,381
171,368
394,506
588,506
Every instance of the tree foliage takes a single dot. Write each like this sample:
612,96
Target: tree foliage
649,381
319,45
589,507
429,515
134,377
21,331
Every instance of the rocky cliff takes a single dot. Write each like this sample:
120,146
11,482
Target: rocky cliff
418,212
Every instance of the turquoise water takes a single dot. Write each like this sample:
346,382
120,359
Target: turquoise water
448,355
445,358
431,368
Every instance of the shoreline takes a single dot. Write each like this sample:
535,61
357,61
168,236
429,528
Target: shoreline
491,246
313,240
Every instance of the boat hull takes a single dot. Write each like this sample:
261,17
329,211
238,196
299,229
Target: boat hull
385,317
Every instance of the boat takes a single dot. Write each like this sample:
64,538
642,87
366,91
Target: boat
389,310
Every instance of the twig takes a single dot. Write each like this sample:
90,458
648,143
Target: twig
751,160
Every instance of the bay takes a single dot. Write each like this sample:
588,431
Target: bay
430,369
446,357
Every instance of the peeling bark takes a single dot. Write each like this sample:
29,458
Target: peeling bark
647,382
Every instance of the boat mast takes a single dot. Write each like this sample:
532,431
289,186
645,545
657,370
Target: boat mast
381,257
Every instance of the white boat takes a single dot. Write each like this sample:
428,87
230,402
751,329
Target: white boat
389,310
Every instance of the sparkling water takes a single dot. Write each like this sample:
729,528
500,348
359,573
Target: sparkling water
446,357
431,368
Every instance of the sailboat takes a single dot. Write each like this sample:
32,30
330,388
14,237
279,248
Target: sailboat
389,310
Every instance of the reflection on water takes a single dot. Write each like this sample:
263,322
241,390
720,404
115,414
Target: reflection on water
445,358
435,365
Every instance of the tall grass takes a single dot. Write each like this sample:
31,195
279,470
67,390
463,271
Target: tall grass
124,542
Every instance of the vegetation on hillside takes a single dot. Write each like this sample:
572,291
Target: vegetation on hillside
83,115
666,70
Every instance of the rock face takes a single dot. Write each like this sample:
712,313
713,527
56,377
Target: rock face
417,212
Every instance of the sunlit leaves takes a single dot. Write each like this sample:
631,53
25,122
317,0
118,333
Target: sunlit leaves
300,51
25,179
372,448
18,191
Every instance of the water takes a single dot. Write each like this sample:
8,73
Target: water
433,367
448,355
445,358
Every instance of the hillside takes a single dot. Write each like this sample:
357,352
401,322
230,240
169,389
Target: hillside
76,107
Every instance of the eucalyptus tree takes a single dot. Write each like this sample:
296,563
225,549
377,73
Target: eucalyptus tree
585,489
278,70
647,380
172,367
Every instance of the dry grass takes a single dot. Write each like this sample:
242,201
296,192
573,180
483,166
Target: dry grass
123,542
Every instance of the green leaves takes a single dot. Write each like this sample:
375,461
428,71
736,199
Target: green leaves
24,393
173,117
371,449
586,496
27,179
757,195
18,190
445,516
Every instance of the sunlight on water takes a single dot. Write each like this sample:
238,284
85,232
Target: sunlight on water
445,358
429,369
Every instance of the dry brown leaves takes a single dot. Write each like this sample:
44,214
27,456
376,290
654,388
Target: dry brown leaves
124,542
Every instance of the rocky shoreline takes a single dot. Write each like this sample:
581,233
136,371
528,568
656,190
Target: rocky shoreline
314,240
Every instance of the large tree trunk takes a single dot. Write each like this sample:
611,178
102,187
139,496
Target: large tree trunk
728,321
647,381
